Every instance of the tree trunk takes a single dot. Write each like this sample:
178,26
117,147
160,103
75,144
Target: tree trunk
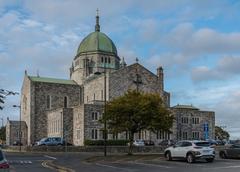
130,150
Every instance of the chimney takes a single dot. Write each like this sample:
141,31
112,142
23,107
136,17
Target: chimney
160,76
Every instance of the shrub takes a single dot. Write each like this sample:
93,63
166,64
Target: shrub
109,142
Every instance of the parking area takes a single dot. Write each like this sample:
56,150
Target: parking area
158,163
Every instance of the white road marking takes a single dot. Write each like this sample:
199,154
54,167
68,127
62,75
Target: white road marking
152,165
233,166
110,166
51,157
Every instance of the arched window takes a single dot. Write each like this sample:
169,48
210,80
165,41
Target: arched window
65,102
48,102
102,60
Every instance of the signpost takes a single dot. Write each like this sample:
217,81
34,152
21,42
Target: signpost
205,129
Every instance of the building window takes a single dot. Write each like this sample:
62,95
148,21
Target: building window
49,102
185,135
93,96
95,116
94,134
195,135
78,134
195,120
163,135
106,60
65,102
109,60
102,60
102,94
185,120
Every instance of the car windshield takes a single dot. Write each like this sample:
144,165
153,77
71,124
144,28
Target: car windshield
43,139
203,144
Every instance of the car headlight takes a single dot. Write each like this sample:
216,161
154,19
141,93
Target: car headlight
196,153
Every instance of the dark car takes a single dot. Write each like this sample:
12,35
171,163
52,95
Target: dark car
230,151
17,143
167,143
3,162
149,143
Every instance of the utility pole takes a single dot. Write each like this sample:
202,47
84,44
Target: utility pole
20,128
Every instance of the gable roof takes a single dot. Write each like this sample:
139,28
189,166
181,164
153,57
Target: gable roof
17,122
52,80
135,64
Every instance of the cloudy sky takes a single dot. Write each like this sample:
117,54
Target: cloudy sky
196,42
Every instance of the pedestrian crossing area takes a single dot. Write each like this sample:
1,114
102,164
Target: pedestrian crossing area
19,162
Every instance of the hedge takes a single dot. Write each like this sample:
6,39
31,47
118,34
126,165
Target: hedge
109,142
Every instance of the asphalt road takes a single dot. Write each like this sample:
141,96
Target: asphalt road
83,162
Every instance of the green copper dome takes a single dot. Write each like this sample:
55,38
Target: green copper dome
97,41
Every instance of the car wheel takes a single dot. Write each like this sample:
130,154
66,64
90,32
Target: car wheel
190,158
223,155
168,156
209,159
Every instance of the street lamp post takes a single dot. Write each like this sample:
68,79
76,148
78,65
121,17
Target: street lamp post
20,129
105,103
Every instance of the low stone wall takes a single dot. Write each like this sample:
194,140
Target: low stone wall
110,149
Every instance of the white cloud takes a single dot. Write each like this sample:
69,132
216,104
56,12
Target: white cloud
226,68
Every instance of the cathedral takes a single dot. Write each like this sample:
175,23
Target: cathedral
70,108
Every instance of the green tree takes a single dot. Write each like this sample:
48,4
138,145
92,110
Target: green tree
136,111
221,134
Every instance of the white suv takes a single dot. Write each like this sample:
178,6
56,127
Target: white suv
190,150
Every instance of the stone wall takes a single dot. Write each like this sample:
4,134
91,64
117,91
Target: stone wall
57,93
90,124
12,132
78,125
27,107
60,124
125,78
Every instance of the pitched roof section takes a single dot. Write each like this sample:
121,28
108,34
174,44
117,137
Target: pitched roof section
17,122
185,107
52,80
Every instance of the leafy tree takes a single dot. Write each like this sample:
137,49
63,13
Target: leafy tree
221,134
136,111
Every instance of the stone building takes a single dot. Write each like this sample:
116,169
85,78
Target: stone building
13,132
71,108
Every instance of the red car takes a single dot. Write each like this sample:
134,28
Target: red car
3,162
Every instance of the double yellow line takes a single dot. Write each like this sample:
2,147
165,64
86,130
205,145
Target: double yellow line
51,165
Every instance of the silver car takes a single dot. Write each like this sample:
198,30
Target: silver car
50,141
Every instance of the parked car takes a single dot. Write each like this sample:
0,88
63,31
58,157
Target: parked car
138,143
50,141
149,143
212,142
3,162
17,143
191,151
167,143
220,142
230,151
